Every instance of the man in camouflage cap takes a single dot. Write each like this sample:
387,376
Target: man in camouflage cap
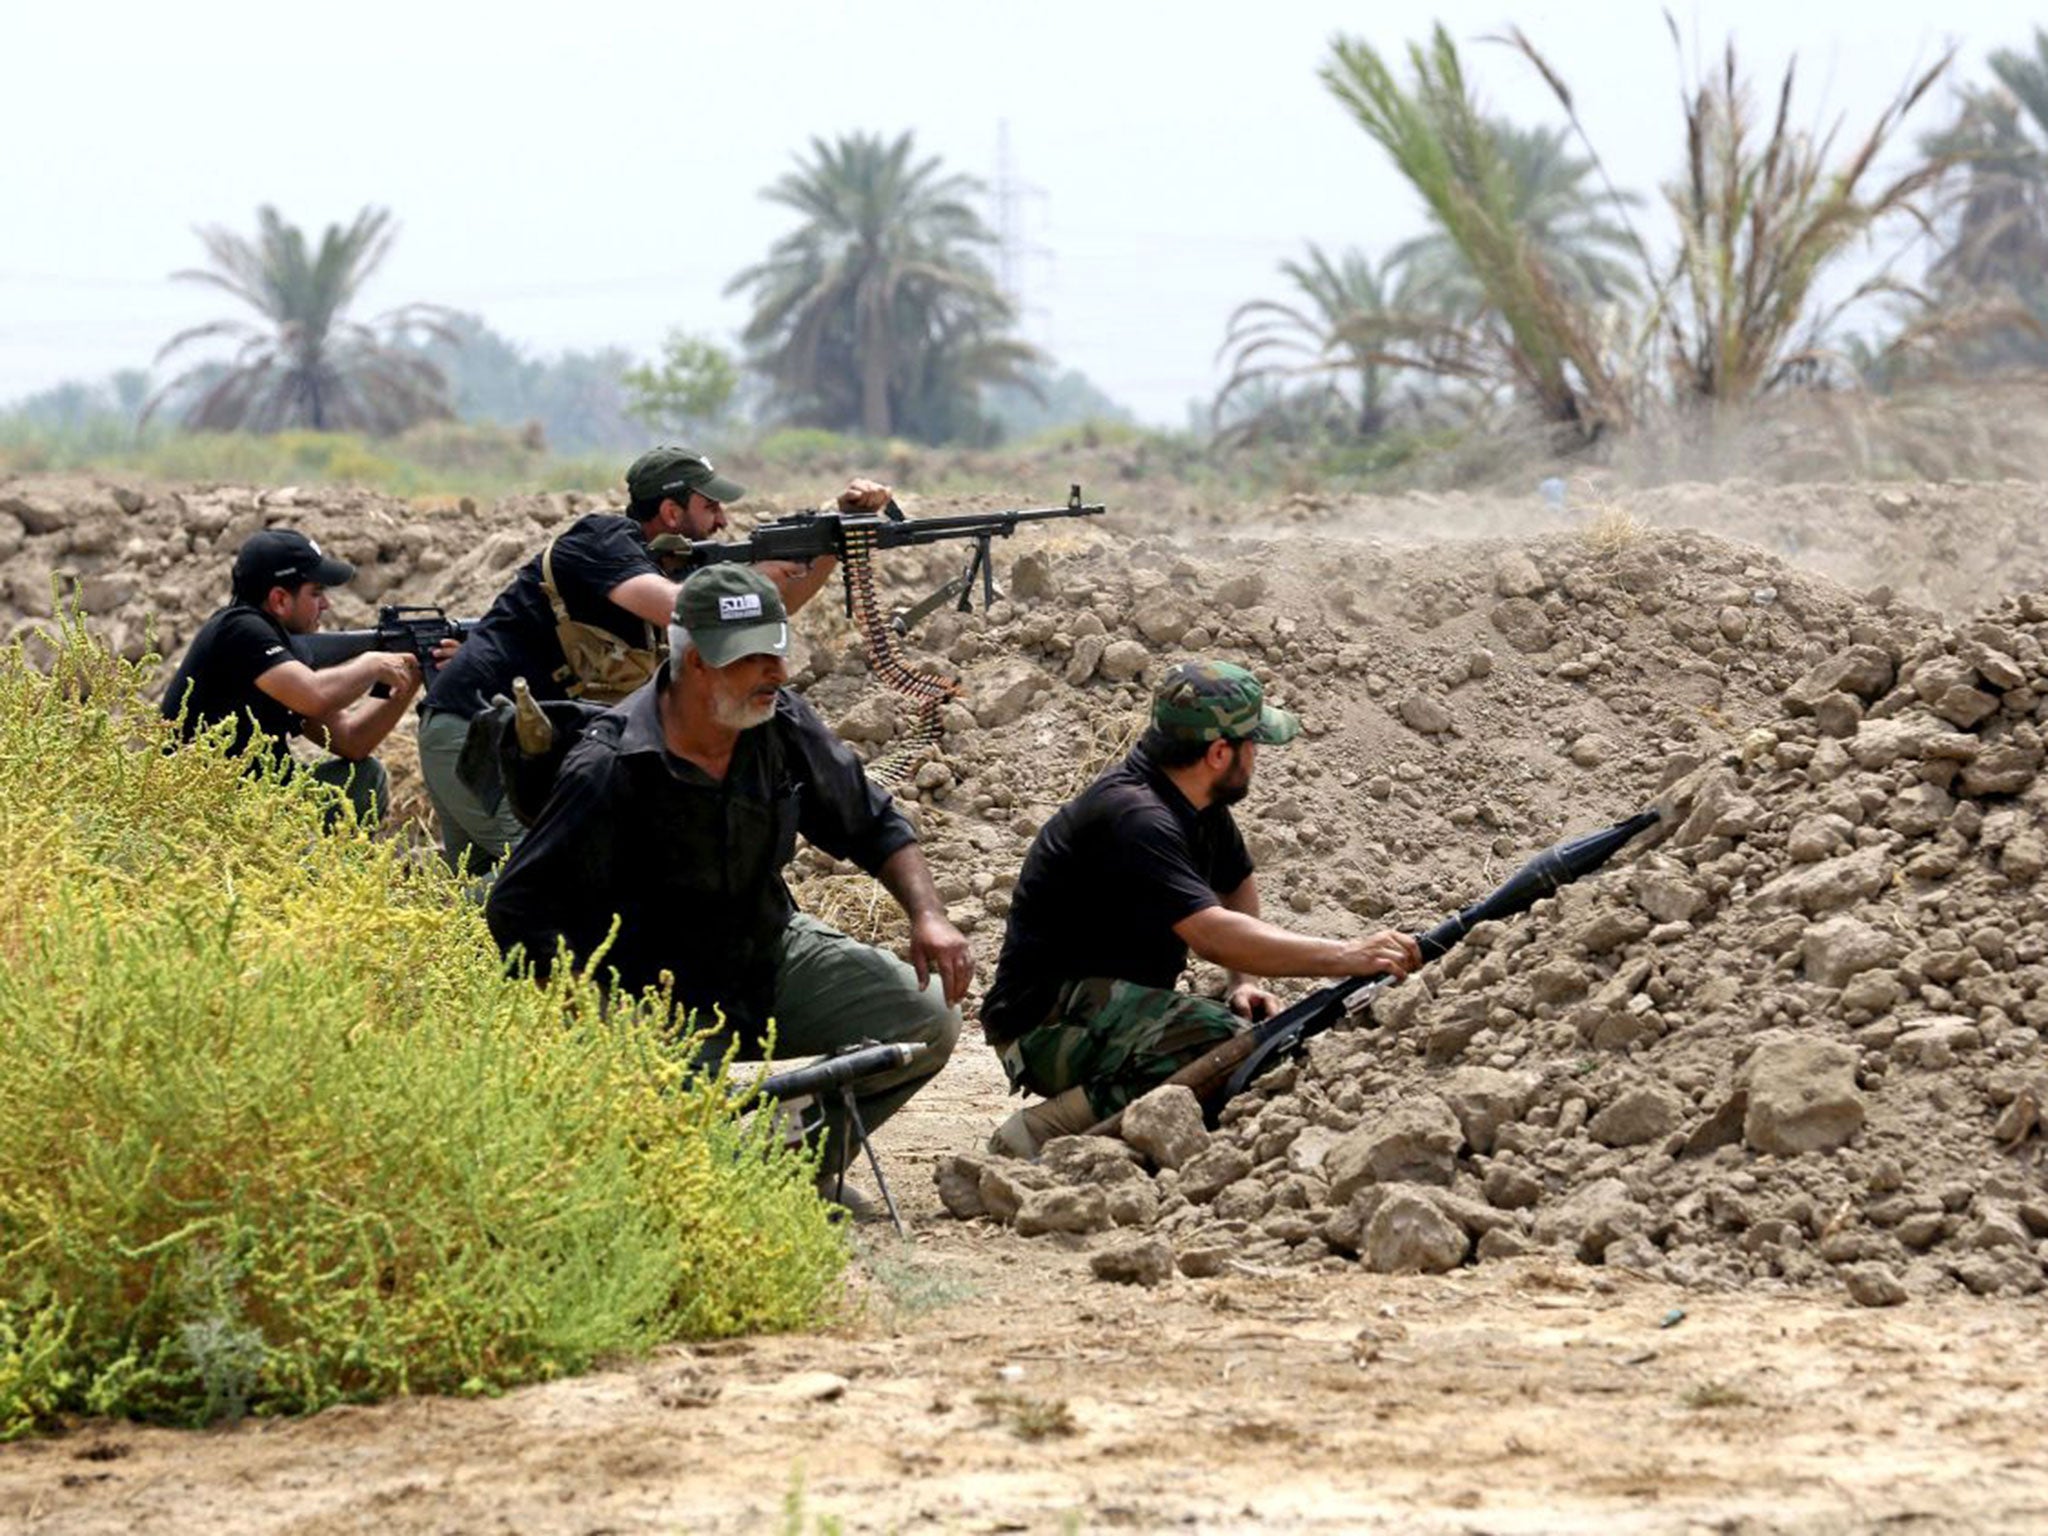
1143,866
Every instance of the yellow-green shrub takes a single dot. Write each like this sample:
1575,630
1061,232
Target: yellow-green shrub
276,1131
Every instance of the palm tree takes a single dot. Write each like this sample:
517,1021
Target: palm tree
1537,326
1339,328
305,363
1996,251
1563,220
878,312
1761,216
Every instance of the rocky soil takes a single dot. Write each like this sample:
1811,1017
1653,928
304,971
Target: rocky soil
1788,1044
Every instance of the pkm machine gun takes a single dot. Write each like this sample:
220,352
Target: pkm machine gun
852,535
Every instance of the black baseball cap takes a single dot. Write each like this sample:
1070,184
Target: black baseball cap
284,557
675,472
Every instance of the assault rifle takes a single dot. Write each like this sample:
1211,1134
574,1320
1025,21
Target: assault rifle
1223,1073
809,535
838,1075
409,631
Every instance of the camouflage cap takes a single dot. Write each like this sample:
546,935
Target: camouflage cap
1215,701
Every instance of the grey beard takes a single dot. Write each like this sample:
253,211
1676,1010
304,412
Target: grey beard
740,715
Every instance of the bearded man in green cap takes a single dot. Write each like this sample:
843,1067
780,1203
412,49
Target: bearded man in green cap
583,620
675,814
1143,866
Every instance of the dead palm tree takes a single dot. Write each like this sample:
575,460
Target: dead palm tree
1760,217
881,294
304,362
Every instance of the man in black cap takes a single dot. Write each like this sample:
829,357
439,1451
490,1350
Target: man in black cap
241,668
583,620
674,816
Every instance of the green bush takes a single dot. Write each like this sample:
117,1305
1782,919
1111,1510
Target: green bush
276,1131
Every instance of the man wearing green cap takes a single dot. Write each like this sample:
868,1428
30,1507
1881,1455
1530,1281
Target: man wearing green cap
583,619
1143,866
674,816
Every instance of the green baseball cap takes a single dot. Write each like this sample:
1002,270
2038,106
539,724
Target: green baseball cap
675,472
1215,701
731,610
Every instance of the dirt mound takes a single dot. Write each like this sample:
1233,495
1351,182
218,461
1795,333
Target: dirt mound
1795,1040
1798,1041
1951,546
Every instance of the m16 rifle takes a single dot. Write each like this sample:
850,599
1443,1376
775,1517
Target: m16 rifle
408,631
1223,1073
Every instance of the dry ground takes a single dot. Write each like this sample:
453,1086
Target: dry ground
989,1383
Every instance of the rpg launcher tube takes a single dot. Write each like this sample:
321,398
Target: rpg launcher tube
835,1071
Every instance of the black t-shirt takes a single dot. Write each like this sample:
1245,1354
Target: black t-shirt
1104,883
690,865
516,635
217,679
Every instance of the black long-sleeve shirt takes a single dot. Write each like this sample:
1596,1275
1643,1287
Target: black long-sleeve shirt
690,866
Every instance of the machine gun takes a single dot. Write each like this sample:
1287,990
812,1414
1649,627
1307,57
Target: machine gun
837,1076
1221,1074
852,535
409,631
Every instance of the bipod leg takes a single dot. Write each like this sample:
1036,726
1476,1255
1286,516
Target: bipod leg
860,1134
981,565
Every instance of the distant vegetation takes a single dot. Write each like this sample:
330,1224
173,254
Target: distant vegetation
1545,295
878,313
303,362
1543,313
277,1131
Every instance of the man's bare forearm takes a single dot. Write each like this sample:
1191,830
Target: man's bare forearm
906,876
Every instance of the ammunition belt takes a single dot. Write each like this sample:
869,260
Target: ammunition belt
926,691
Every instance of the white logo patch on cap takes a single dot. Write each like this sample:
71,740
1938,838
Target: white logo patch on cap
744,605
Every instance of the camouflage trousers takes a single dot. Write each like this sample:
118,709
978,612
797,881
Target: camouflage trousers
1116,1039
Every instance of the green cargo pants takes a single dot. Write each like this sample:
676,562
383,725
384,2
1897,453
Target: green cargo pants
483,833
1116,1039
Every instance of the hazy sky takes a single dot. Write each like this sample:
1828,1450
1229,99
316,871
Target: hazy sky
589,174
